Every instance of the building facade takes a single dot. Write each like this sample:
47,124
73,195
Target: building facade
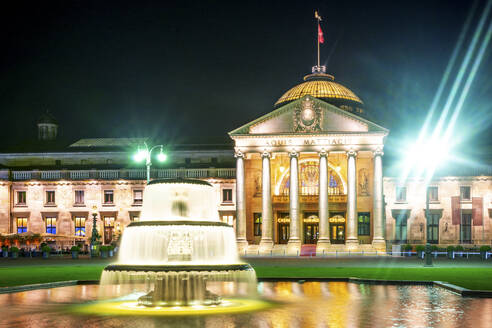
306,176
55,194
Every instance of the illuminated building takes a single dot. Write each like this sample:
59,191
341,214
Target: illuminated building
317,129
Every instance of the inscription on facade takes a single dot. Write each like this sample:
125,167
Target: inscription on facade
306,141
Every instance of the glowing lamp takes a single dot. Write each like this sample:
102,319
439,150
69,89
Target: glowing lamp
140,155
161,157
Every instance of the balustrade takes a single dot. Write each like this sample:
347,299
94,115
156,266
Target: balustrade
80,174
133,174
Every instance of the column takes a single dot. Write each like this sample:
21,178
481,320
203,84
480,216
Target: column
378,236
351,239
294,238
324,225
266,241
240,203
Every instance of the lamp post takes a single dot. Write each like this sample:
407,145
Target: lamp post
146,154
95,238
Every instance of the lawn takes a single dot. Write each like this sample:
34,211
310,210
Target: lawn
468,277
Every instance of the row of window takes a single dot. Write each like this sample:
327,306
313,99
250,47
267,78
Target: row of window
432,228
108,197
79,197
433,193
79,222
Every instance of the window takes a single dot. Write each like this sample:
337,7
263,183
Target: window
80,226
226,195
57,162
21,225
108,229
50,197
137,197
257,224
401,194
79,197
465,192
214,160
433,229
433,194
135,217
229,219
108,197
364,225
401,228
187,161
21,198
51,225
465,228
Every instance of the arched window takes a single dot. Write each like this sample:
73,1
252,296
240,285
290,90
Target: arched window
309,180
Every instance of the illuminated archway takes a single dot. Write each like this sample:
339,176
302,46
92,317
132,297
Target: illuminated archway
309,179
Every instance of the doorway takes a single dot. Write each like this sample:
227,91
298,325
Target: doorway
108,229
311,228
283,228
337,229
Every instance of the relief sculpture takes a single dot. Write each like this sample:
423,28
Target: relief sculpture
363,180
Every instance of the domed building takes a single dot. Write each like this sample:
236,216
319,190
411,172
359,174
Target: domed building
309,173
323,86
47,127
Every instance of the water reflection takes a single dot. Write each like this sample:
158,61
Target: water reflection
311,304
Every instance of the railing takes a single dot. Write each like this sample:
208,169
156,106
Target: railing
337,254
109,174
80,175
4,174
51,175
130,174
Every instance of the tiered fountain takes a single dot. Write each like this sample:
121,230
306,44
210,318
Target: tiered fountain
179,253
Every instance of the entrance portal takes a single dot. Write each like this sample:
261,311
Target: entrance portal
337,229
311,228
283,228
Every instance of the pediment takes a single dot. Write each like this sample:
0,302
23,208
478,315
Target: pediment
308,115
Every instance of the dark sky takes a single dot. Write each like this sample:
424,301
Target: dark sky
203,68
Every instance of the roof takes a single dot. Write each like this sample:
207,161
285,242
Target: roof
108,142
320,86
371,126
47,118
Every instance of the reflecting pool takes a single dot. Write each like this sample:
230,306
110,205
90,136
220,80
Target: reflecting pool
311,304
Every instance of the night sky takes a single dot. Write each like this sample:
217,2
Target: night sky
176,69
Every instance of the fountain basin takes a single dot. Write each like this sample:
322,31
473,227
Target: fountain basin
179,254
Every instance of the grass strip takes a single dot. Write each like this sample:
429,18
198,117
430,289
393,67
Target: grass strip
472,278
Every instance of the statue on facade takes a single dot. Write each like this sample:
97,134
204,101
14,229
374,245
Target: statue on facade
363,180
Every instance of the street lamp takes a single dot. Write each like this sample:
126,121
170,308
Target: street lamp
95,238
146,154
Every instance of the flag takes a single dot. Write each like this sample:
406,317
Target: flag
320,35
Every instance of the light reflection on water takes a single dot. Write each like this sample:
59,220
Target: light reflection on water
312,304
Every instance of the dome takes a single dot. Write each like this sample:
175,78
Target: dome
47,118
323,86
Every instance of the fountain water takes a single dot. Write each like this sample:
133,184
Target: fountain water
179,253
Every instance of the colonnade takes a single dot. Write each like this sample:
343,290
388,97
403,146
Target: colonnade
294,208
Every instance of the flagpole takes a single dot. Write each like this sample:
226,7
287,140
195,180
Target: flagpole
317,32
318,18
